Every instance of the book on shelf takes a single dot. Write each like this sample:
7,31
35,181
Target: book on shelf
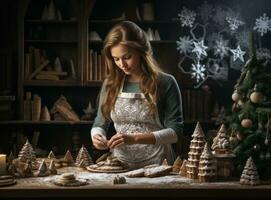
90,66
100,67
27,66
95,63
96,66
37,70
37,58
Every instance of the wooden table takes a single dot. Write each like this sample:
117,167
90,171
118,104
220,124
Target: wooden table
101,186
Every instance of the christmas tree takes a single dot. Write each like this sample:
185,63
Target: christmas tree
249,119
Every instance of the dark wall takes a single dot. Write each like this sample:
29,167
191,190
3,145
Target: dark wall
8,47
8,18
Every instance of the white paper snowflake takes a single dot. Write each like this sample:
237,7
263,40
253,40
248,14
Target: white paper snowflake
221,48
199,49
263,24
238,53
184,45
187,17
205,11
221,14
263,53
197,71
234,23
219,69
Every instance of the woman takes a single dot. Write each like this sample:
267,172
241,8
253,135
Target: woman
143,102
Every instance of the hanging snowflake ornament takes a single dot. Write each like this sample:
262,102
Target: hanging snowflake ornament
221,48
199,49
263,24
187,17
218,68
184,45
221,14
197,71
238,53
205,11
234,23
263,53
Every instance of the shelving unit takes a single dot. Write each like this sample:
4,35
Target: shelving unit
69,39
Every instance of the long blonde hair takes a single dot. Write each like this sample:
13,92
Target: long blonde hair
129,34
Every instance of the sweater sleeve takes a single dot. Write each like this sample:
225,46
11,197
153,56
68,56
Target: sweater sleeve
101,124
172,114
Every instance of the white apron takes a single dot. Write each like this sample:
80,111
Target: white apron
130,116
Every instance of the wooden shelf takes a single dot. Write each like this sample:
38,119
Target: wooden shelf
52,41
93,83
138,22
62,83
53,22
29,122
152,41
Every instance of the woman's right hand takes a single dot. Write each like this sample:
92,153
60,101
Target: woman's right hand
99,142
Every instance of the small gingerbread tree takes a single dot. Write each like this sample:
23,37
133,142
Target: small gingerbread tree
27,153
196,147
207,165
221,143
250,174
83,158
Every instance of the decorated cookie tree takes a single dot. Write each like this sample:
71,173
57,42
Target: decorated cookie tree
195,150
83,158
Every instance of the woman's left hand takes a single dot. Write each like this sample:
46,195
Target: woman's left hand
119,139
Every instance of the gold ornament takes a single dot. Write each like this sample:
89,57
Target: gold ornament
256,97
246,123
236,96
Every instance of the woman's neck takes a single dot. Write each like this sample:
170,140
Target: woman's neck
133,78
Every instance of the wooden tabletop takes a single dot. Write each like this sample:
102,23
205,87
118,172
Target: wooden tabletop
100,185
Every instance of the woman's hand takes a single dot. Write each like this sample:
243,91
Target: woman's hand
119,139
99,142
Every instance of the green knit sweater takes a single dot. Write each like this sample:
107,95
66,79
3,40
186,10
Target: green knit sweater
169,103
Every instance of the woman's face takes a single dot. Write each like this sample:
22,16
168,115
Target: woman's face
127,59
